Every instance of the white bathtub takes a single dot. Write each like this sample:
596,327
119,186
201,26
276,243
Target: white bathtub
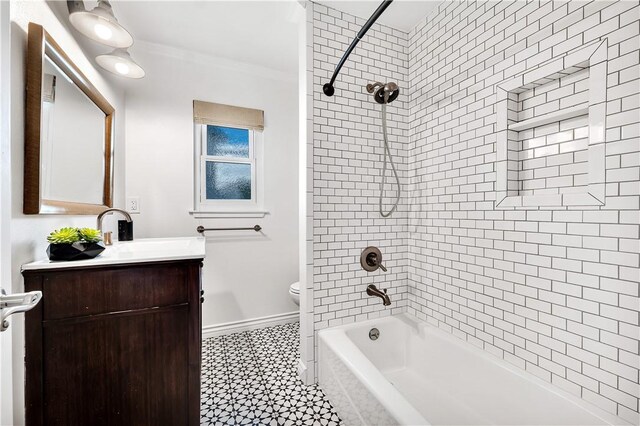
416,374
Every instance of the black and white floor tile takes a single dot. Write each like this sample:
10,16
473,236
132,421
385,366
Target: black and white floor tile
251,378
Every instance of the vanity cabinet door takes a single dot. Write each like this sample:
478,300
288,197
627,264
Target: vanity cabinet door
126,370
118,345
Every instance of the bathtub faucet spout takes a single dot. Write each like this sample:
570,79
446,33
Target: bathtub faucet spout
372,290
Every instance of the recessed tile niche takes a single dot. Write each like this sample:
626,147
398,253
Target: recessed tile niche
551,132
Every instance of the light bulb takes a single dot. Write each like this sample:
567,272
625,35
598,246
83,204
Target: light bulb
119,62
122,68
103,31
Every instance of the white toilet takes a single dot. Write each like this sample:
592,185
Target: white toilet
294,292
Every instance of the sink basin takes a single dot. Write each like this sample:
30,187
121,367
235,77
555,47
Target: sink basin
136,251
146,245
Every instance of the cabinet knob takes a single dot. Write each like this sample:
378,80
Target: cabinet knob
201,292
202,300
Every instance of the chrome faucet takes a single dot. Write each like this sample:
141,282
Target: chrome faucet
372,290
126,215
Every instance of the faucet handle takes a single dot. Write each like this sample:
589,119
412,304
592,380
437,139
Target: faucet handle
376,262
371,259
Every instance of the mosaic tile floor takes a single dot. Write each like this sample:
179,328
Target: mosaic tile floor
251,378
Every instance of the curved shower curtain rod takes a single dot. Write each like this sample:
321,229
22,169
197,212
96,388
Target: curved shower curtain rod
328,87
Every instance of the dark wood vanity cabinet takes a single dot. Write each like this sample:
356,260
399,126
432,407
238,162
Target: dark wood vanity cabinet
114,345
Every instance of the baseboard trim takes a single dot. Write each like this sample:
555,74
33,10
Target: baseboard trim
250,324
302,372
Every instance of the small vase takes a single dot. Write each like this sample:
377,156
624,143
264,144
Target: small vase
74,251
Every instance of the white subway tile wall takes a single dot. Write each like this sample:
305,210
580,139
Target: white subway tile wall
347,166
552,158
553,290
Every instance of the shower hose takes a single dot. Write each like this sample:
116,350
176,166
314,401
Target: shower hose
387,152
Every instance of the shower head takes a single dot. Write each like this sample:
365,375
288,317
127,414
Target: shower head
373,86
384,93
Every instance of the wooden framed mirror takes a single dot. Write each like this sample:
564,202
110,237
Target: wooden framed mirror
68,162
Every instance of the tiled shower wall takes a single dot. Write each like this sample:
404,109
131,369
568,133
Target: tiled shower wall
553,162
347,163
551,290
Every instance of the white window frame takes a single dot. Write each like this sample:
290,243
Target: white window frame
228,208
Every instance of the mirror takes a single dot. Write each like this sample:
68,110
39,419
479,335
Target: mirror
68,134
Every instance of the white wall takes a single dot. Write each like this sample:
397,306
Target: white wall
305,191
552,290
28,233
6,375
246,275
347,168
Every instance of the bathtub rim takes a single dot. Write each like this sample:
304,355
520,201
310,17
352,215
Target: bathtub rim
364,370
370,376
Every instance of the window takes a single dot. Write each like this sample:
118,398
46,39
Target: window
228,178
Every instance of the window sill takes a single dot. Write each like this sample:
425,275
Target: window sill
221,214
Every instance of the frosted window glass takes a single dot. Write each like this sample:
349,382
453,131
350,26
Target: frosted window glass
228,181
227,142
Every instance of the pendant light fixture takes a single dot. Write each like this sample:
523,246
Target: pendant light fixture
99,24
119,62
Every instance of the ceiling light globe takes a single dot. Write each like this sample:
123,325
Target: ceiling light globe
103,31
119,62
122,68
99,24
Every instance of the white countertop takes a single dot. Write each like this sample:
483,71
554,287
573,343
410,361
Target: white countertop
136,251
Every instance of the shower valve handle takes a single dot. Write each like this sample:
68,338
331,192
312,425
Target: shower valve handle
382,267
372,260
